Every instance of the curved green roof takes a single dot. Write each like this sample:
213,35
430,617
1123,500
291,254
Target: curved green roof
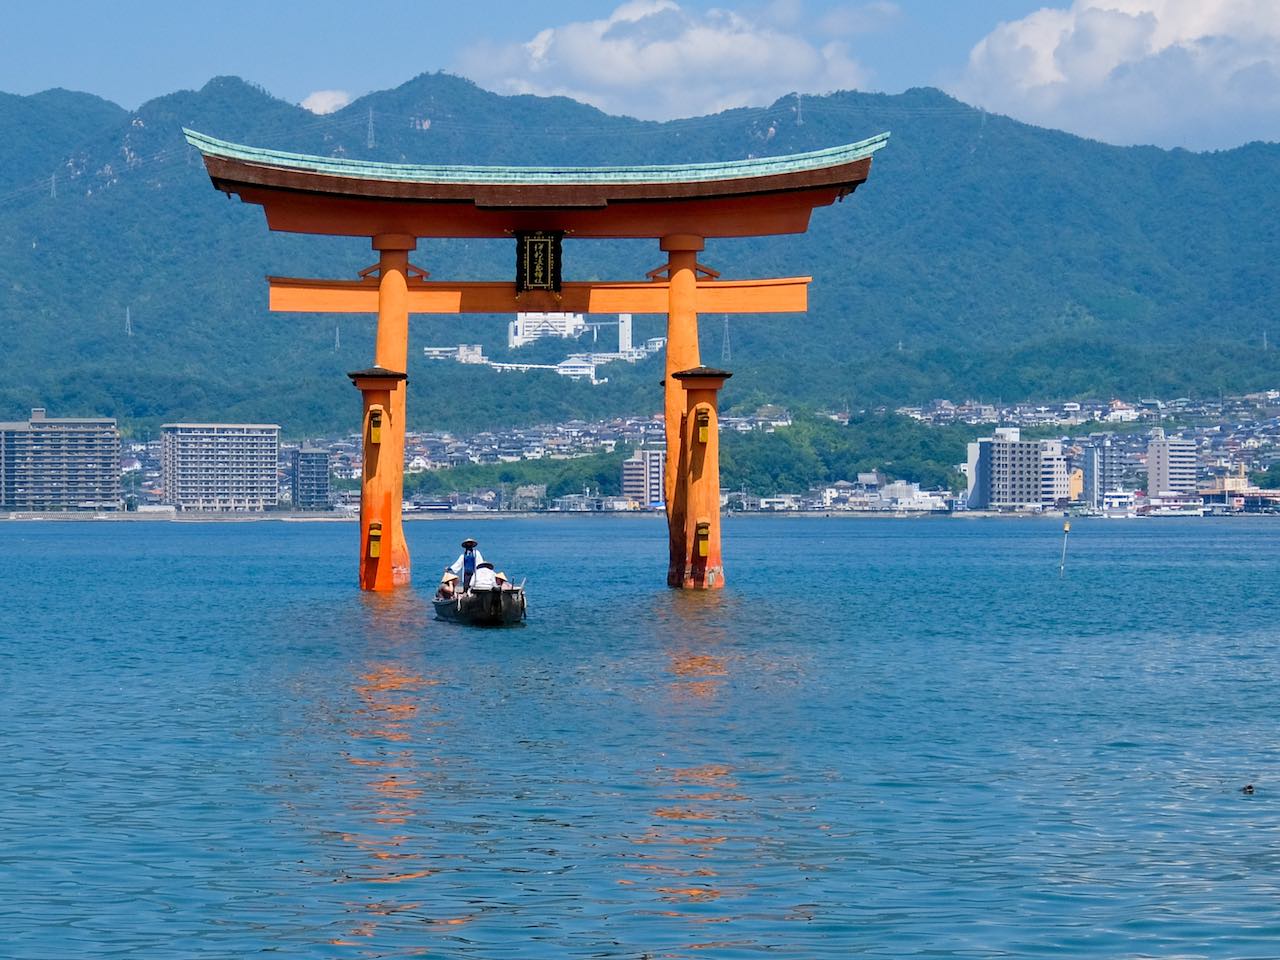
463,174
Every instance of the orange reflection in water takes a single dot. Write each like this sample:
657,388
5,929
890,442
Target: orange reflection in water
699,676
687,829
393,706
678,857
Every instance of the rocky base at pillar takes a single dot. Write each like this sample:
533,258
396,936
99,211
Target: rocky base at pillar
696,576
693,508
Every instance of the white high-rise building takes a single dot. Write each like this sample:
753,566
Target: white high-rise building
1053,473
1171,465
220,466
624,333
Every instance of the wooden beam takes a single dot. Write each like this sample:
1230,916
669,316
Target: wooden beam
295,295
782,295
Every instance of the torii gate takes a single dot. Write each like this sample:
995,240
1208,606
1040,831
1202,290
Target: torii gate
681,206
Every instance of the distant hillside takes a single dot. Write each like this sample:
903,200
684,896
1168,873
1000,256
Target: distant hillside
984,257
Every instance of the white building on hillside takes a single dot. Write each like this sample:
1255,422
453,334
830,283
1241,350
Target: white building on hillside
528,327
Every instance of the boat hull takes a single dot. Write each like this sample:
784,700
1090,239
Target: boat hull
483,608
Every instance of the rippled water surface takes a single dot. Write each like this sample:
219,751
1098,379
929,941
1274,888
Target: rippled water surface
886,738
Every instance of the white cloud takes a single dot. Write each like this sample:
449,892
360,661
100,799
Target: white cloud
851,19
326,101
652,59
1194,73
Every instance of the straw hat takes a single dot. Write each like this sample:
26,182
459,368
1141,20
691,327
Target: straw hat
500,576
468,543
449,577
484,563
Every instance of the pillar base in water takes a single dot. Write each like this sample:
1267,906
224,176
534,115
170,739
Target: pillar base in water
384,555
693,522
697,577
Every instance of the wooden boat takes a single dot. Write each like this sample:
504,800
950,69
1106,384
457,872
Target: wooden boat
483,608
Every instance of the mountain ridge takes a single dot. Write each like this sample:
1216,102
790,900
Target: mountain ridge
983,257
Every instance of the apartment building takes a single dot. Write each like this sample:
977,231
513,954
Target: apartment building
1171,465
310,485
1008,473
1103,464
60,463
220,466
642,476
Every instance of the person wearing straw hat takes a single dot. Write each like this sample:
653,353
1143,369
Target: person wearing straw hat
466,563
448,585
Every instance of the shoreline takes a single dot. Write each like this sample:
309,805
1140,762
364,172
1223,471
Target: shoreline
490,516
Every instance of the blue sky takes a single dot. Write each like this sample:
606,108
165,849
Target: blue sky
1196,73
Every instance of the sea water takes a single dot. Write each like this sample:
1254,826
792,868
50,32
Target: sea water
884,738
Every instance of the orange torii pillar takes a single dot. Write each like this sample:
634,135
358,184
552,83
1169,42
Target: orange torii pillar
682,344
382,480
381,494
681,354
695,514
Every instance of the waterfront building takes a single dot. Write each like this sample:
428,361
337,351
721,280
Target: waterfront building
1119,504
310,479
642,476
57,463
1054,489
1075,485
1004,472
901,496
1103,464
220,466
1171,465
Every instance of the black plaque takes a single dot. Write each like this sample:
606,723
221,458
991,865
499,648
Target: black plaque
538,260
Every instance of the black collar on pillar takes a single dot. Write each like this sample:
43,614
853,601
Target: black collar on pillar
377,373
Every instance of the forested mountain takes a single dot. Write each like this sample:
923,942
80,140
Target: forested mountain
984,257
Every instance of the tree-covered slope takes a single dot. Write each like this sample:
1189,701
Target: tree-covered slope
42,132
983,256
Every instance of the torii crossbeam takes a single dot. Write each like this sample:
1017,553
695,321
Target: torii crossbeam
681,206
